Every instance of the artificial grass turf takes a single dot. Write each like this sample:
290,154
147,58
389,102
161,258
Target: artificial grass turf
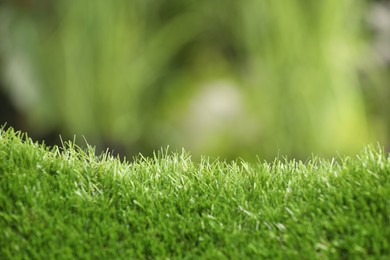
68,203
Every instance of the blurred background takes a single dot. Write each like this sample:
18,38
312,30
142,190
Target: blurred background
225,78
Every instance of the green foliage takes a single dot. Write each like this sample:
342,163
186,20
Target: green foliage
68,203
137,72
304,58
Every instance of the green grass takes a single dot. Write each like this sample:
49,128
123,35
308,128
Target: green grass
62,203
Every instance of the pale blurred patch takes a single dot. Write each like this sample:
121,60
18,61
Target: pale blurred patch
217,109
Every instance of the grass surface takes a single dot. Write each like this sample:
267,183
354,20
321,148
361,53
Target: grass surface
66,203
